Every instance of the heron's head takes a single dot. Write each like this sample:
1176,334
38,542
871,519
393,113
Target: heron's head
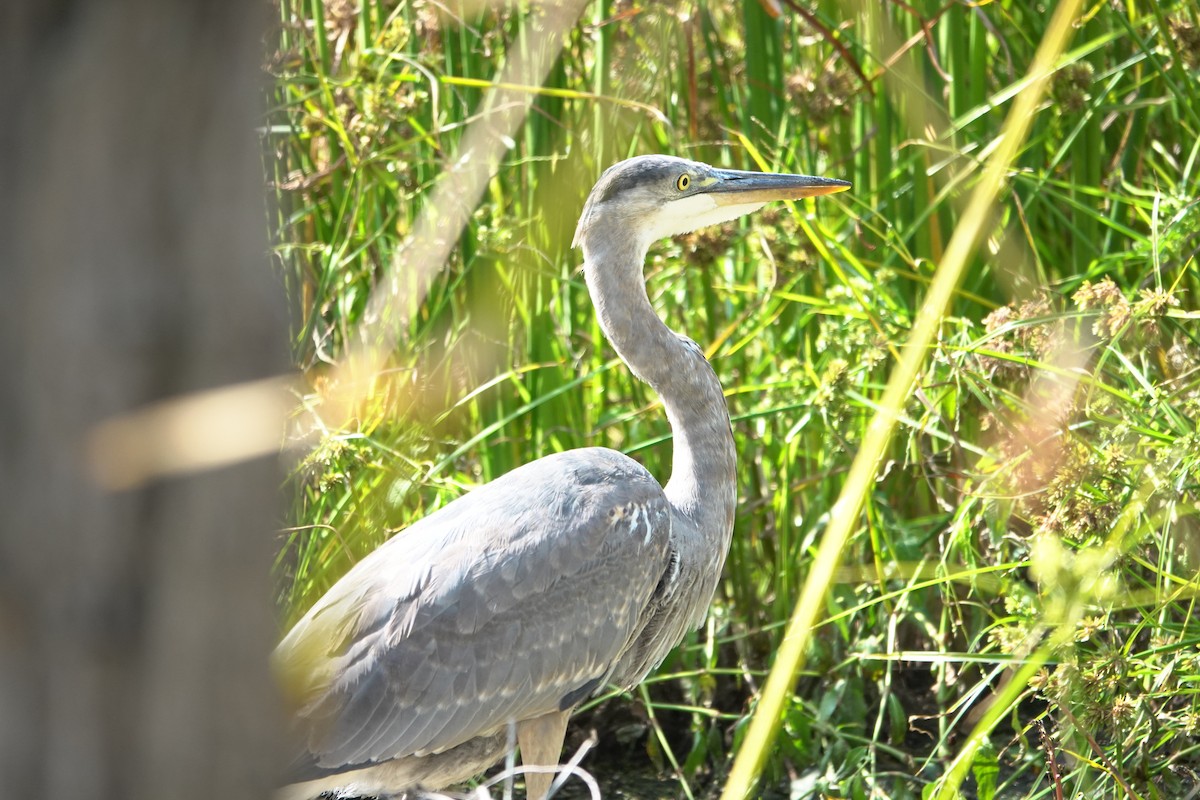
647,198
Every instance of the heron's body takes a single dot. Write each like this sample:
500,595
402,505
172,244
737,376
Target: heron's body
517,601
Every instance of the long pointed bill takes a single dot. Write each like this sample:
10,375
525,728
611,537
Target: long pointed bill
737,188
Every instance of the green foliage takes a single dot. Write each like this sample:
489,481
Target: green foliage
1043,489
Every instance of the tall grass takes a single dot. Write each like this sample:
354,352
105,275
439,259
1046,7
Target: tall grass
1031,547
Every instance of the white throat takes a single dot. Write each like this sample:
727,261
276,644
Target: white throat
696,211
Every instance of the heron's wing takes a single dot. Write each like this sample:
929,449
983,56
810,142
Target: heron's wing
511,602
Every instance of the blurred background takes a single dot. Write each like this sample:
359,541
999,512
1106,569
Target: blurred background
138,448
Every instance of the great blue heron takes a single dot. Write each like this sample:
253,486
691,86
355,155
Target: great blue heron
520,599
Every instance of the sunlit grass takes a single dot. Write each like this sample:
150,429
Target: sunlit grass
1052,428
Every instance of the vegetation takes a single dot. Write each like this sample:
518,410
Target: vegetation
1029,555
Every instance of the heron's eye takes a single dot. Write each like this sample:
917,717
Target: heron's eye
683,183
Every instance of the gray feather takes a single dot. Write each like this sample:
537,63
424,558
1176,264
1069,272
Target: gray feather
537,588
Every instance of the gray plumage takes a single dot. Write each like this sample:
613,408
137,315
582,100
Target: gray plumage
576,571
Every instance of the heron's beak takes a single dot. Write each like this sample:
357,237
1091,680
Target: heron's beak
734,187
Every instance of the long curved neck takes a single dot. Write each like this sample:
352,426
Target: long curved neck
703,484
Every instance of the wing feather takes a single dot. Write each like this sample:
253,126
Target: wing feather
493,609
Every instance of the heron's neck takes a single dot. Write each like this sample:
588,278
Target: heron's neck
703,479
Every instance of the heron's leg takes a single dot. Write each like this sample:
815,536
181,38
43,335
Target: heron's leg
541,741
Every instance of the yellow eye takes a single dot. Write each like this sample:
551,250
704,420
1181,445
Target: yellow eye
683,183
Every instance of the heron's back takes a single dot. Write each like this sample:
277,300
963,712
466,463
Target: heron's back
509,602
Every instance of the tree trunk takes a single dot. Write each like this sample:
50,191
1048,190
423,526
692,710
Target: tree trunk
134,625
